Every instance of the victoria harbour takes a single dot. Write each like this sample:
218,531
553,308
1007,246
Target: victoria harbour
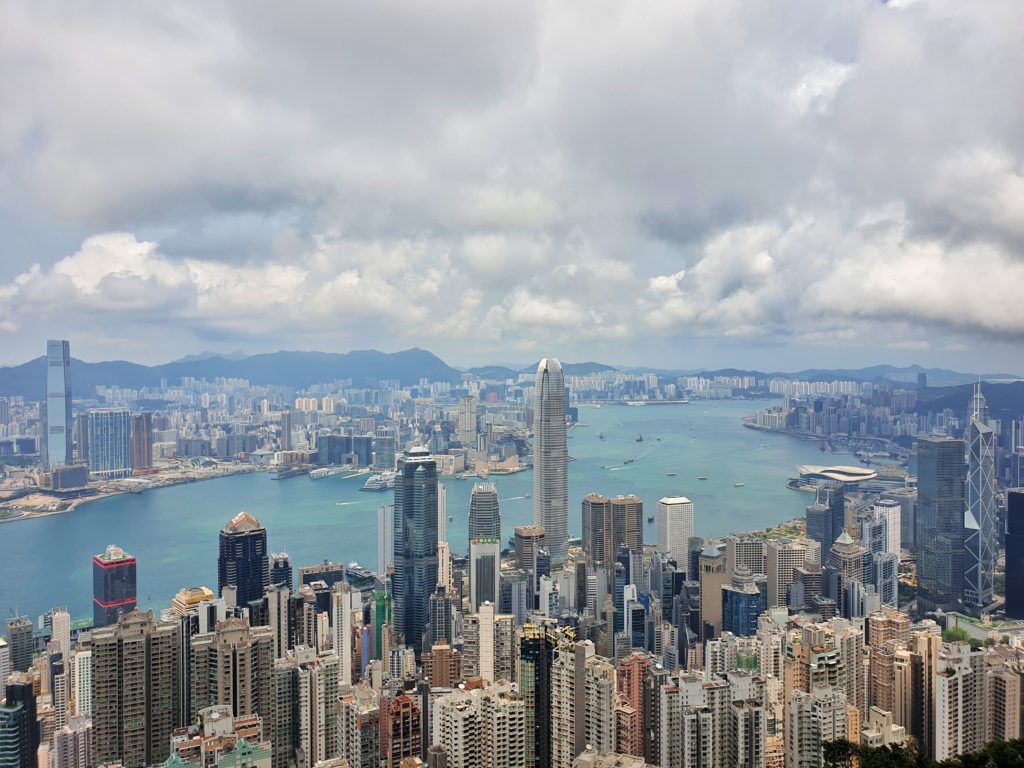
173,531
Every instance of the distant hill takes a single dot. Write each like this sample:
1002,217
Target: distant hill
295,369
493,372
1003,399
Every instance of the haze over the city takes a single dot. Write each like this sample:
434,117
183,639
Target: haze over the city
756,184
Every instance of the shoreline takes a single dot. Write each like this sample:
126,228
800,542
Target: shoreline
74,504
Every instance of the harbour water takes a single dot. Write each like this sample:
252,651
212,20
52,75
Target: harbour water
46,562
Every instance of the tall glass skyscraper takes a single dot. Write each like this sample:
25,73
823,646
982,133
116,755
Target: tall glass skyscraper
415,537
484,515
110,442
551,459
940,523
826,518
981,538
243,561
56,442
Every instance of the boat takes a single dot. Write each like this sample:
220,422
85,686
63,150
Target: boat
316,474
640,439
670,474
600,435
629,461
382,481
650,519
702,477
451,518
737,485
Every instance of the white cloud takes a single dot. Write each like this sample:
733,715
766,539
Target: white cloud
608,178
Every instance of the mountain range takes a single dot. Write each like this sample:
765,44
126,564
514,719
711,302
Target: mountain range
366,367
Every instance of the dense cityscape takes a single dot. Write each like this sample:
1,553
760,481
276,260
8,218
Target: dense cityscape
534,384
889,616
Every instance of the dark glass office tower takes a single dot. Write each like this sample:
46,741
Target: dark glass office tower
415,553
113,585
826,518
20,643
1015,554
281,570
941,474
536,655
484,515
243,562
19,730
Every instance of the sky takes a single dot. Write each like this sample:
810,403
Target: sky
690,184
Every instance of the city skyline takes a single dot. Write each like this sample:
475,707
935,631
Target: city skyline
529,385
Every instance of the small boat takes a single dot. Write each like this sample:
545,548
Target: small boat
600,435
640,439
702,477
629,461
650,519
737,485
670,474
451,518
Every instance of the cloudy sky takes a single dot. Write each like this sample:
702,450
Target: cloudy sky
704,183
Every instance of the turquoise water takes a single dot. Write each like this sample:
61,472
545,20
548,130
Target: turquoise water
46,562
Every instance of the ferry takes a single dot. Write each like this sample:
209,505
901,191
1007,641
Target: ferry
382,481
316,474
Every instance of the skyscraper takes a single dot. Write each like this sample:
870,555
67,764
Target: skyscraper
826,518
467,421
243,562
610,524
110,442
940,522
136,684
484,571
484,515
286,430
20,643
674,521
113,585
536,655
415,536
551,458
142,441
1015,554
19,730
981,539
233,665
56,442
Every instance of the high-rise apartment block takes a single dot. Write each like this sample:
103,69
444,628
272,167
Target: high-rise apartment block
136,671
110,443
